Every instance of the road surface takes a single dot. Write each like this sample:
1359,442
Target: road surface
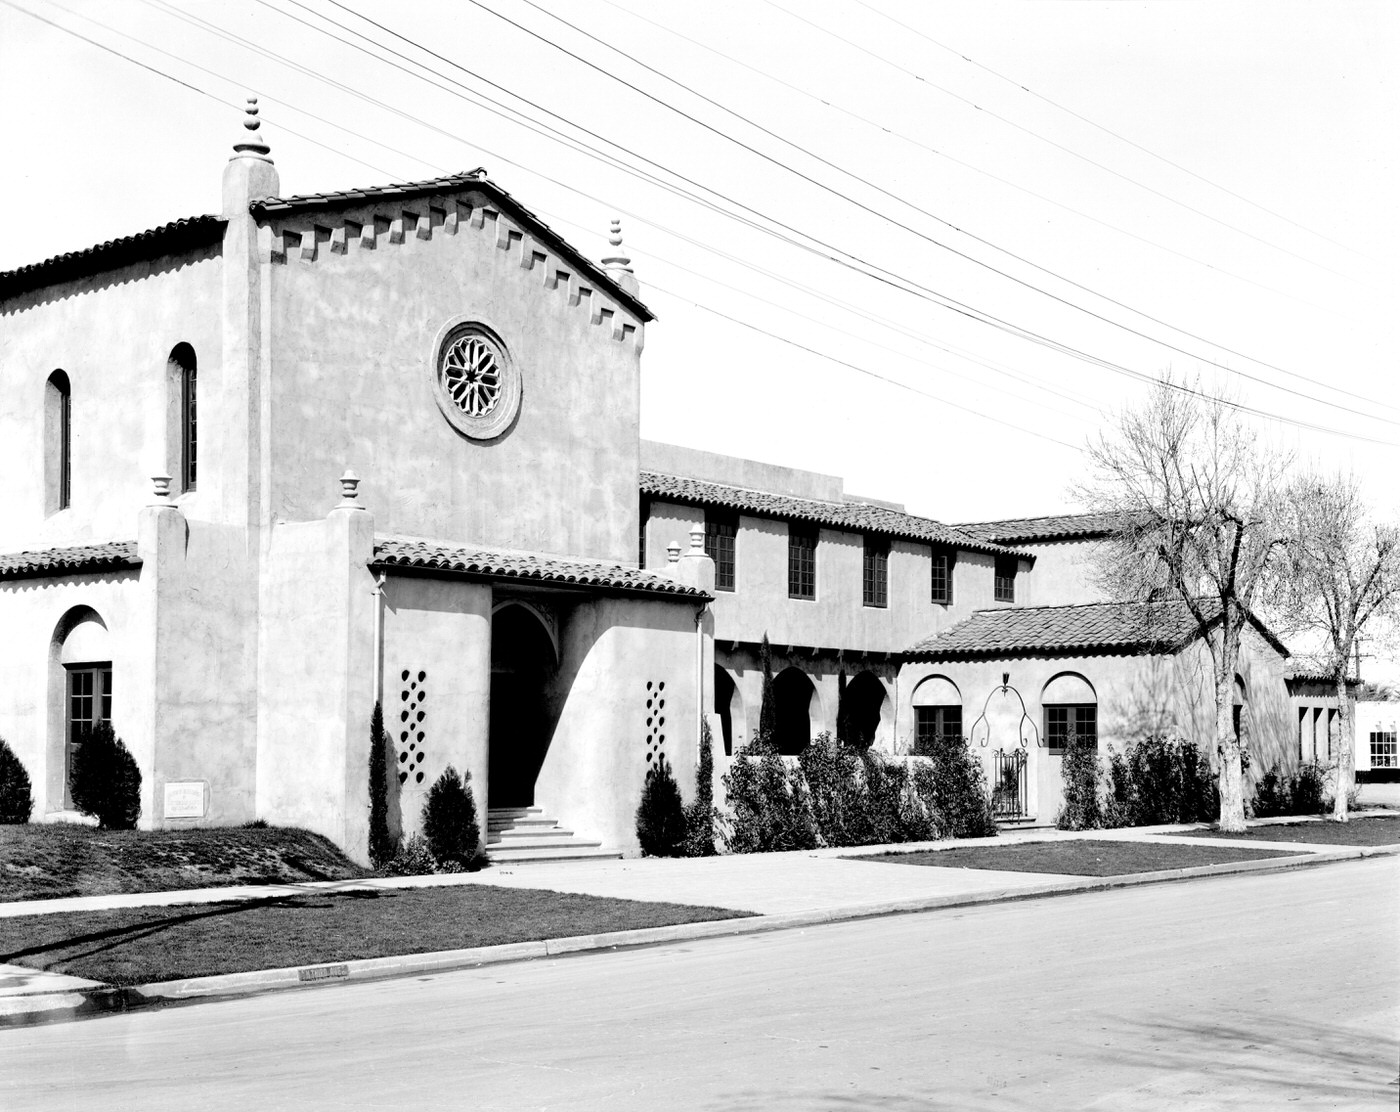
1270,991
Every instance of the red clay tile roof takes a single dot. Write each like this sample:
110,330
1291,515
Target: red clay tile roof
47,563
482,563
1021,530
472,179
168,239
1091,629
861,517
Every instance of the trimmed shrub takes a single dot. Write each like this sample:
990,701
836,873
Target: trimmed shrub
661,818
1168,780
413,858
962,805
16,798
106,783
700,815
382,847
449,822
770,804
1080,776
1302,793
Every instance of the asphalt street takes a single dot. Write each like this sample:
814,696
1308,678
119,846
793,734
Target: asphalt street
1266,991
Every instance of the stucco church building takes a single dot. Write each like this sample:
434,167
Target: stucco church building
266,467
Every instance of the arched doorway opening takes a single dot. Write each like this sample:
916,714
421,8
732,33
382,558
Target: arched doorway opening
80,693
523,666
794,694
867,709
728,706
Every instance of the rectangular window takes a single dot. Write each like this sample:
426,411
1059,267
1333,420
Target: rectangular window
941,582
1060,719
1005,586
189,428
877,572
643,516
65,451
1383,749
720,532
802,561
89,702
931,723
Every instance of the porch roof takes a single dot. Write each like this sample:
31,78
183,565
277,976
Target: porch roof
434,558
45,563
858,517
1090,629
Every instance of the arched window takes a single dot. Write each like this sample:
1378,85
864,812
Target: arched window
82,658
58,443
937,712
1071,707
183,376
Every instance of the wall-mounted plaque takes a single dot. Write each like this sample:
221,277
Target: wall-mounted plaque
184,799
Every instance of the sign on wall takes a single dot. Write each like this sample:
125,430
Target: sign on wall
184,799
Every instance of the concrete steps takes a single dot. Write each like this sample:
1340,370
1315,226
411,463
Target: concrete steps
520,835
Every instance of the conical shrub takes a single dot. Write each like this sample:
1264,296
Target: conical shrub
16,798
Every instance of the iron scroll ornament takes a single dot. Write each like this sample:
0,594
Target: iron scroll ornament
1025,720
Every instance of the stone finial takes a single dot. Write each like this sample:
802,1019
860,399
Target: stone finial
673,552
252,143
697,542
617,265
349,491
161,483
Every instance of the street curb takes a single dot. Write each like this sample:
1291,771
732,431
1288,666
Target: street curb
57,1007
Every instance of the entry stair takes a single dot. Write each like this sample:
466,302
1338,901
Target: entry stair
520,835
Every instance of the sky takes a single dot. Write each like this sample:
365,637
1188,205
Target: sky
932,248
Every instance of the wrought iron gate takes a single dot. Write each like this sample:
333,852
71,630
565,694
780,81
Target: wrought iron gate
1009,784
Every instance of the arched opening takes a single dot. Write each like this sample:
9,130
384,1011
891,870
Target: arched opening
1240,717
938,713
80,693
58,443
794,695
867,709
523,665
1071,710
182,376
728,706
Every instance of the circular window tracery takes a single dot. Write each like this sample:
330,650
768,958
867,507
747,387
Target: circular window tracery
475,380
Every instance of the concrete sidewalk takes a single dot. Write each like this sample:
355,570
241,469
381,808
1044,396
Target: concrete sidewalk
783,890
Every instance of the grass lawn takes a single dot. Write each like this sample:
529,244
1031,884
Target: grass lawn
1381,830
46,860
1077,857
140,945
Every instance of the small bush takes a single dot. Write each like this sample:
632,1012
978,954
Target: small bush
770,804
1302,793
413,858
661,818
382,847
16,798
962,805
1080,776
106,782
700,815
449,822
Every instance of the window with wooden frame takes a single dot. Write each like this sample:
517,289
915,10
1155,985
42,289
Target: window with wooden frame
88,702
189,420
876,577
936,722
58,443
1080,719
941,577
802,560
1384,752
721,531
1004,589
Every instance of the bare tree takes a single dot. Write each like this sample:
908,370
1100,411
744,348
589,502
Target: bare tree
1340,578
1197,500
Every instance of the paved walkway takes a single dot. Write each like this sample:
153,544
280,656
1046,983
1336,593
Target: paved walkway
815,882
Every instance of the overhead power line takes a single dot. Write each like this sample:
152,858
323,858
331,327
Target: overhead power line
933,216
1108,130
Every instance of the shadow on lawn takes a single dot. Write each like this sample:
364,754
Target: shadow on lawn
70,948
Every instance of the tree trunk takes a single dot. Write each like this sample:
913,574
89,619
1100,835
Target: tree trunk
1346,756
1231,778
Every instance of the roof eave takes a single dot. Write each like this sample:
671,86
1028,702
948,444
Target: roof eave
436,571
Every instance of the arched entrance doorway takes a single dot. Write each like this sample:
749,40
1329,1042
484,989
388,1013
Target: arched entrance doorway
523,666
794,694
867,707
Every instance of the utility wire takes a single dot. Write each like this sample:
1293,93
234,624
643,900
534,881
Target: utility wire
1053,345
933,216
1058,146
1108,130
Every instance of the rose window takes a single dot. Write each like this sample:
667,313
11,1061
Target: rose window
471,374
